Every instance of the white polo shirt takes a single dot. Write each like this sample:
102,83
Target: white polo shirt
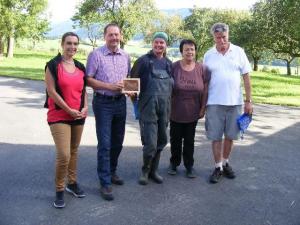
226,70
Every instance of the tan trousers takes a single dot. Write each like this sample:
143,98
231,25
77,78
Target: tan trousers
67,139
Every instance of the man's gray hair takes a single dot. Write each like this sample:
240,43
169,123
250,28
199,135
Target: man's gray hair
219,27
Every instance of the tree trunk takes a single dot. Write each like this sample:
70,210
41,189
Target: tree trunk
1,46
255,64
288,66
10,47
122,44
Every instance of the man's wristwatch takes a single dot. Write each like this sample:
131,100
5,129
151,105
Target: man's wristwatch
248,100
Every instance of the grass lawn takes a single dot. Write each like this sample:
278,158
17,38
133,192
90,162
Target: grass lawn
275,89
266,87
28,64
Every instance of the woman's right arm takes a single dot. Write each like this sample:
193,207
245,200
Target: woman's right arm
50,86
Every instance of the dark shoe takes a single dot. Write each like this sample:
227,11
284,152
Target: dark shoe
156,177
228,172
144,178
216,176
75,190
145,170
115,179
172,169
106,193
59,201
154,167
190,173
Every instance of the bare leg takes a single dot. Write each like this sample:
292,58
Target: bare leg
228,144
217,151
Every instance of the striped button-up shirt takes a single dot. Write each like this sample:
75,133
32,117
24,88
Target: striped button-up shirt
108,67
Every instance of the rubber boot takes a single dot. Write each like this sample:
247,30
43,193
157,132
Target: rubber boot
153,172
145,170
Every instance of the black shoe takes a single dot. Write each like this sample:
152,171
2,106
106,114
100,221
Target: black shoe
106,193
216,176
115,179
59,201
228,172
143,180
172,169
156,177
75,190
190,173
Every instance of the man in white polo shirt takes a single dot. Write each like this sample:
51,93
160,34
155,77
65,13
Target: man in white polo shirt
227,63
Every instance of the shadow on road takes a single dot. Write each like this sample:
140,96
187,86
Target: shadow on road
266,190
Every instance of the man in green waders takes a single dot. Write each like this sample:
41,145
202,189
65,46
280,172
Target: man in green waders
154,70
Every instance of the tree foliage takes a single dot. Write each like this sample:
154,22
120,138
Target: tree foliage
202,19
92,22
249,36
131,15
20,19
280,27
173,25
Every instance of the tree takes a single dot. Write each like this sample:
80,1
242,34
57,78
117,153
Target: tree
21,18
91,22
173,25
281,28
198,23
202,19
249,35
132,16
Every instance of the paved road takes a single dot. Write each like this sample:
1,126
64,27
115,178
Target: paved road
265,192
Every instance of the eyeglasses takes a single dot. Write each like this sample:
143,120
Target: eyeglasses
72,43
220,29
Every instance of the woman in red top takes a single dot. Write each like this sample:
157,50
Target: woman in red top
67,110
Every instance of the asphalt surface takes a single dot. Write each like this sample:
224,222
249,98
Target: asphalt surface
265,192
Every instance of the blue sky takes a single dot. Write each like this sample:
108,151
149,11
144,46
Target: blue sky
62,10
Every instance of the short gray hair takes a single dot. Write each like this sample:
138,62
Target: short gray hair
219,27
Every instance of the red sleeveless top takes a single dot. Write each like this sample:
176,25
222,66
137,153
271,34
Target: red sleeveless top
71,85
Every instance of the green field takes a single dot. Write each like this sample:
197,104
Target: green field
267,87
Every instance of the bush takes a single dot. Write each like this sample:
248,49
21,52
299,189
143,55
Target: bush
275,71
265,69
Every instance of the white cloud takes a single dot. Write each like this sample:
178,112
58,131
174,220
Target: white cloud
62,10
174,4
236,4
227,4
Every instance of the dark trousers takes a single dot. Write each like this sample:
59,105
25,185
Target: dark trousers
110,116
182,133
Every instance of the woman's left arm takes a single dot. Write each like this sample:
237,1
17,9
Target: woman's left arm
204,96
85,108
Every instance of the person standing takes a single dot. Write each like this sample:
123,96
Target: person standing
66,100
226,62
107,66
154,70
189,98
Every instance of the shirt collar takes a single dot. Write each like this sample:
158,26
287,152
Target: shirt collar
106,51
229,49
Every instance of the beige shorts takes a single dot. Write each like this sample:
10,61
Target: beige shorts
222,120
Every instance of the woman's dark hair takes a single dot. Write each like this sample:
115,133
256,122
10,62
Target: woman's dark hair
187,42
67,35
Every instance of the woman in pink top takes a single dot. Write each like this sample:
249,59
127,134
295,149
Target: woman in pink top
67,109
188,103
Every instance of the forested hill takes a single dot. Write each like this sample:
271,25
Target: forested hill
58,29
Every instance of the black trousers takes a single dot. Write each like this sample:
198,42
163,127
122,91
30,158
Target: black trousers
182,133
